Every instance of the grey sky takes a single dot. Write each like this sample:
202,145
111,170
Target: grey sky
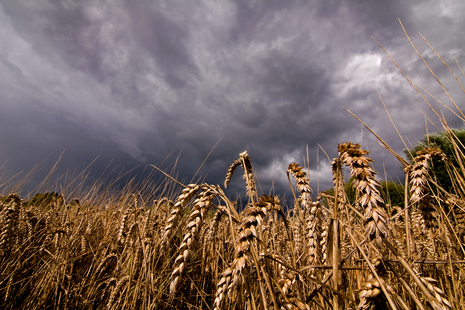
136,81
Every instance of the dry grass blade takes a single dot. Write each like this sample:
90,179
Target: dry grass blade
384,144
429,68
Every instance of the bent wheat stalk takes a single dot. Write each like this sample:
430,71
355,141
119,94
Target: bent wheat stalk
181,202
189,242
246,163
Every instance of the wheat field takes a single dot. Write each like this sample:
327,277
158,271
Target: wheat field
195,248
199,251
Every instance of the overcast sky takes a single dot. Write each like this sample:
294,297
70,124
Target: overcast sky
155,82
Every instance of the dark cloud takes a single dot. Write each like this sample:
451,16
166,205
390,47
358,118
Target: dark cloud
163,39
135,83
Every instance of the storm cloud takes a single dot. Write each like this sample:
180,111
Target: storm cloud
161,82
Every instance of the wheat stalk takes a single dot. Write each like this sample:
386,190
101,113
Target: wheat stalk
181,202
367,187
116,292
246,163
9,221
438,294
190,239
250,229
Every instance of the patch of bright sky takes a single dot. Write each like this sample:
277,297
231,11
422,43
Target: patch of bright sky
321,178
276,171
361,70
450,8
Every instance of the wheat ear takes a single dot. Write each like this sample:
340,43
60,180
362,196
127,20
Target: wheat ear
122,226
108,262
219,214
437,293
324,234
371,294
246,163
367,187
115,293
313,232
230,172
303,202
338,182
222,288
286,281
181,202
249,231
419,193
302,184
13,205
418,173
201,206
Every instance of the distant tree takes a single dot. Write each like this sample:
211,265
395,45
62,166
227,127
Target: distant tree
446,143
391,192
45,199
348,188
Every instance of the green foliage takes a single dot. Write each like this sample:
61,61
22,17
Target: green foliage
44,199
349,189
391,192
451,145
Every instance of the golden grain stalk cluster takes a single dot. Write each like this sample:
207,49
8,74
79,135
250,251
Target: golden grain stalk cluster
200,250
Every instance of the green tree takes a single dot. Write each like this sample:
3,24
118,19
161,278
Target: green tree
452,145
45,199
391,192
